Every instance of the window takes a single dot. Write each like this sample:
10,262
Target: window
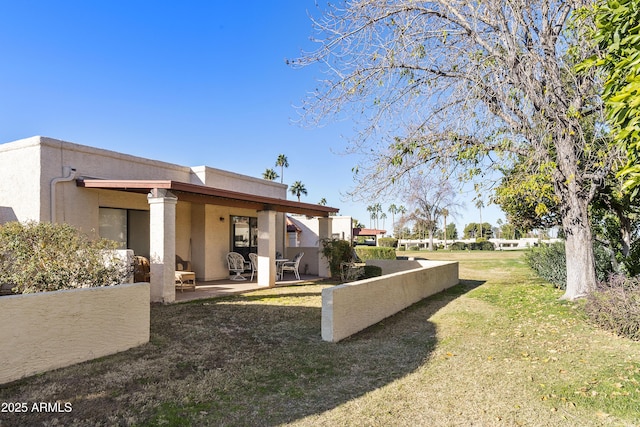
245,235
128,227
113,226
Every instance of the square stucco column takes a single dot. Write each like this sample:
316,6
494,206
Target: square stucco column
267,236
162,245
324,232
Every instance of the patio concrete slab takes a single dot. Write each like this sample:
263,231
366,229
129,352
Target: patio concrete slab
226,287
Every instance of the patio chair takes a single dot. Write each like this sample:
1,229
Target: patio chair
236,264
254,264
182,265
141,269
293,265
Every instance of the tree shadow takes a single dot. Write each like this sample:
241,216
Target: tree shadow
236,361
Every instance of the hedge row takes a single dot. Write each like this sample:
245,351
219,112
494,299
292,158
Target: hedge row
375,252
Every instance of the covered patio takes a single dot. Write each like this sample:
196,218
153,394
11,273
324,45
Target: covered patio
163,197
226,287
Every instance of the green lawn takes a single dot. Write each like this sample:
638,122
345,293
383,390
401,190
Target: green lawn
498,349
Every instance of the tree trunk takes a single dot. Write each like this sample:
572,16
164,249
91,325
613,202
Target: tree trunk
581,272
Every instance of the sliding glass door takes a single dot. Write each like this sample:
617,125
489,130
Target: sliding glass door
245,235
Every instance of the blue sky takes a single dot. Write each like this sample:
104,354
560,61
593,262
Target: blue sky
198,82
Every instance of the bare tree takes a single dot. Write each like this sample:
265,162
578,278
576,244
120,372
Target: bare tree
431,198
460,86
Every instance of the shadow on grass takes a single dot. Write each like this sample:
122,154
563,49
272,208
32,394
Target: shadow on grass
235,361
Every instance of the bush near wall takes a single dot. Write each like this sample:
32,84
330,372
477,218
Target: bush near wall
336,251
458,246
371,271
42,257
482,246
388,242
377,252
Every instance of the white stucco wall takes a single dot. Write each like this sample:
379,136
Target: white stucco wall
341,228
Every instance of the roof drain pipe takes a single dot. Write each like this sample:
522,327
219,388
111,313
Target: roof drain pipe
69,174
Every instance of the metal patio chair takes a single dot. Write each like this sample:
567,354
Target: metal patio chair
293,265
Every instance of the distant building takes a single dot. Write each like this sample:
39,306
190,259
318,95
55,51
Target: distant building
368,236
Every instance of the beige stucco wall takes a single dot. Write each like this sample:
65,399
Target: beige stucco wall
72,201
352,307
226,180
20,181
54,329
390,266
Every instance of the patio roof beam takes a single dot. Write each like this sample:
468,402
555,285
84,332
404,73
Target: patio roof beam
210,195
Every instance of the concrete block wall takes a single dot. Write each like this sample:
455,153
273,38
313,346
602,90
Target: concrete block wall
51,330
352,307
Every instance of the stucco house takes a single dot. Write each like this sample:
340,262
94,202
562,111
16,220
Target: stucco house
157,209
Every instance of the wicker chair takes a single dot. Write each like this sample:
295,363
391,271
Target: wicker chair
236,263
141,269
254,264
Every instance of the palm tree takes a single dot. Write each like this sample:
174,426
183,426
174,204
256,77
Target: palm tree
383,216
283,163
377,208
323,202
269,174
480,205
393,210
445,212
401,210
298,189
370,209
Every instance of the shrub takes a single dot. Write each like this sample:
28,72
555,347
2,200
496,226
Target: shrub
488,246
388,242
414,248
41,257
615,306
458,246
549,262
481,245
376,252
371,271
336,251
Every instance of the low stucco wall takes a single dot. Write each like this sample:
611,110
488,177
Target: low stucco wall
51,330
352,307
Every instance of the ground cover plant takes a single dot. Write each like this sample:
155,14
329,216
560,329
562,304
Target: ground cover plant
498,349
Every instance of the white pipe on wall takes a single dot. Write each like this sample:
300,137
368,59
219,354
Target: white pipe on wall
69,173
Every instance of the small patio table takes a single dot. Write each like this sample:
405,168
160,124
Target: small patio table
183,278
